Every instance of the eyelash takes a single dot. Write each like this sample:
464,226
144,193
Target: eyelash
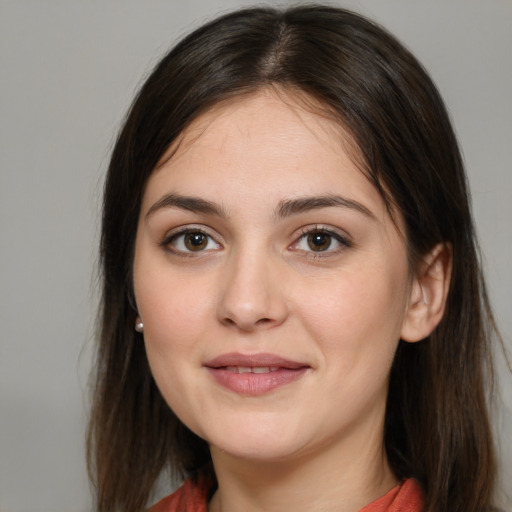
167,243
173,237
344,242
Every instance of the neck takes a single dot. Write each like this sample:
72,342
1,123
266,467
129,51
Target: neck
334,478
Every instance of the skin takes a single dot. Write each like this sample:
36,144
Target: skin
257,285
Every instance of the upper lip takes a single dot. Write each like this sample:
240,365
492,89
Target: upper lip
253,360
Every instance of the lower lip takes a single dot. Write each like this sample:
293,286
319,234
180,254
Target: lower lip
253,384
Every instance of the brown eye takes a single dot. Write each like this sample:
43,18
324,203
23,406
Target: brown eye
195,241
319,241
190,241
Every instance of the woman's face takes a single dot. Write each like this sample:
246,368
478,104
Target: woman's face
271,281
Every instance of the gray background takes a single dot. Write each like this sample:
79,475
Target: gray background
68,72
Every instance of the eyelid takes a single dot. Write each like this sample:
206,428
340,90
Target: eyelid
175,233
340,236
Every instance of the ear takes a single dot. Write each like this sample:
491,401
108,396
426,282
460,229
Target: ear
429,291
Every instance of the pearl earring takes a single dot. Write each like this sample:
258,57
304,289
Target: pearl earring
139,326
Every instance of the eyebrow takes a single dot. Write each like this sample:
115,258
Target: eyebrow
284,209
304,204
190,203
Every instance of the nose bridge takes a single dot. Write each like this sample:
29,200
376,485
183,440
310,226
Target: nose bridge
251,296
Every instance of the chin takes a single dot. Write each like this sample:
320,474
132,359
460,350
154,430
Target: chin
258,451
258,444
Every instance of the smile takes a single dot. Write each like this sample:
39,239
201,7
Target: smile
255,374
254,369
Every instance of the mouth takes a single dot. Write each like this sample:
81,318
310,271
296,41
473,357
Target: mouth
255,374
253,369
263,361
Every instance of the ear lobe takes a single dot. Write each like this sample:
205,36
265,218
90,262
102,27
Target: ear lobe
429,292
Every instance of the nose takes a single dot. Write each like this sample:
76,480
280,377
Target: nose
251,297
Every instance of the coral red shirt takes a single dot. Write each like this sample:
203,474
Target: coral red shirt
193,497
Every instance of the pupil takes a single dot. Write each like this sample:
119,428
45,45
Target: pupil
195,241
319,241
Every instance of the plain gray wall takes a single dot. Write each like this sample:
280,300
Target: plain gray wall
68,71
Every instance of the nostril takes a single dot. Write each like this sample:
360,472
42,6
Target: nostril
263,321
247,325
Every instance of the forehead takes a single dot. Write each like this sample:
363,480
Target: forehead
270,143
245,114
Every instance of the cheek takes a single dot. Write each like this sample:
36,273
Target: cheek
353,301
174,312
175,319
356,316
356,326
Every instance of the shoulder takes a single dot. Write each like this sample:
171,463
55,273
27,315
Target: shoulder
192,496
406,497
409,497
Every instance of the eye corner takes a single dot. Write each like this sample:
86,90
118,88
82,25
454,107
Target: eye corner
320,241
190,241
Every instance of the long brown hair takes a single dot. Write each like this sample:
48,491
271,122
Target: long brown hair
437,428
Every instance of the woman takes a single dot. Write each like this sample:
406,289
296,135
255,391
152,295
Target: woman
293,315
